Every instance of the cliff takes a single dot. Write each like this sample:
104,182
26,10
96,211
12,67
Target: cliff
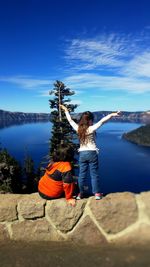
22,116
140,136
140,117
7,116
119,218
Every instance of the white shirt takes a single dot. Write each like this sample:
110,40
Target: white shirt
90,136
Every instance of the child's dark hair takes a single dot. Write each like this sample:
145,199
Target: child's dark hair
63,152
84,123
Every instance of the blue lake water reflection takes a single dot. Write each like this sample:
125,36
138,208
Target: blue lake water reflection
123,166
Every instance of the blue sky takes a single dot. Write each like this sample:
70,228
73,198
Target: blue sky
98,48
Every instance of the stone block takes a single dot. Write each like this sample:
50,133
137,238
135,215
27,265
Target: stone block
64,216
8,207
115,212
139,236
4,235
86,232
31,206
37,230
146,199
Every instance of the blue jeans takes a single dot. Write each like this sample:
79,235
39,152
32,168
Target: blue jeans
89,158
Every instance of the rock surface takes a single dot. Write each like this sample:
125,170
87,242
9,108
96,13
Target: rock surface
119,218
115,212
63,216
31,207
88,233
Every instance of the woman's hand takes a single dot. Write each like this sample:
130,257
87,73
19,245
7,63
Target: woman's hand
63,107
116,114
71,202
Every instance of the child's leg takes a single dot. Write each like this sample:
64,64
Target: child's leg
83,167
94,172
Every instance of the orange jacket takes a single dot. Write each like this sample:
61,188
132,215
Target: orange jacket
57,180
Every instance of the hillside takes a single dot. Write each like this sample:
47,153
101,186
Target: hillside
140,136
19,116
9,118
139,117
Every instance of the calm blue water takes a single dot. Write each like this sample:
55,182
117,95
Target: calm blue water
123,166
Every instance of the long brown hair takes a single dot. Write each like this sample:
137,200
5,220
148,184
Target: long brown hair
84,124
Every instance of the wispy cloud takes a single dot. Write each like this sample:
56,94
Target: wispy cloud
76,102
139,66
110,62
43,93
98,82
26,82
106,50
106,62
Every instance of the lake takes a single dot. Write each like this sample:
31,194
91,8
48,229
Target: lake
124,166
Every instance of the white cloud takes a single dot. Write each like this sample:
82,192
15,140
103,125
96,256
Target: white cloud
44,93
106,50
98,82
26,82
107,62
110,62
98,96
76,102
139,66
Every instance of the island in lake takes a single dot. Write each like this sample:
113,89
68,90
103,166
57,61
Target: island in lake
140,136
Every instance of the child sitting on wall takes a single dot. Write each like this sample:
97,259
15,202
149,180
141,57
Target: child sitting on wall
57,179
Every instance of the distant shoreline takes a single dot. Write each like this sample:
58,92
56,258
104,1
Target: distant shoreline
7,117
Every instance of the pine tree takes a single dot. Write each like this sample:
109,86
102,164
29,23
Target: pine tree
62,132
10,173
29,175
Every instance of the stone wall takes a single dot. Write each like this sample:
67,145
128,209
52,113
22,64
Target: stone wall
119,218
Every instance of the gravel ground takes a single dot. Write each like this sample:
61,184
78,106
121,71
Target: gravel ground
49,254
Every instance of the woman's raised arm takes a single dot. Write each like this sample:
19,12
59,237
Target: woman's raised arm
72,122
103,120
